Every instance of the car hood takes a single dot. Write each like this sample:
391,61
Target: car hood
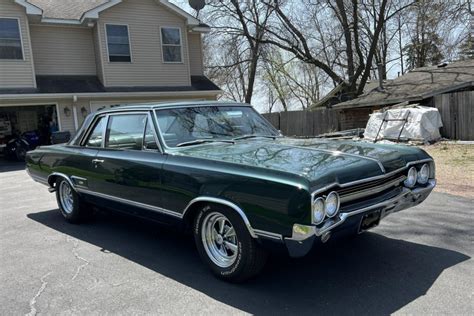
313,159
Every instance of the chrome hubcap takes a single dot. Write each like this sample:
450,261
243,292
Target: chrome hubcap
219,239
65,196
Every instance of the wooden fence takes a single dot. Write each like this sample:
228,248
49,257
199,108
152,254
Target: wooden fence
456,109
457,114
305,123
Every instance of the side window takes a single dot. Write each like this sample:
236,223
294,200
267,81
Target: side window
95,138
10,39
125,131
171,44
118,43
149,142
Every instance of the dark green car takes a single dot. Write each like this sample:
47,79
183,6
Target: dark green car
222,172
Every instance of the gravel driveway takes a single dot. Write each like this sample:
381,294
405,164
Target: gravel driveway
416,262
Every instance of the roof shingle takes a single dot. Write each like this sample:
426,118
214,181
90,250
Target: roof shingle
66,9
418,84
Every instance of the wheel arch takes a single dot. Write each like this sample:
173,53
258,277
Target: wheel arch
196,204
53,177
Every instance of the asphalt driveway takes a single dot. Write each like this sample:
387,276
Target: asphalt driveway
416,262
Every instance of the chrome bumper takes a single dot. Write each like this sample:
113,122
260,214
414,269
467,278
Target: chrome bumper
407,198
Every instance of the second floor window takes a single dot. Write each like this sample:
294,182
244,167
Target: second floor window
118,43
10,39
171,44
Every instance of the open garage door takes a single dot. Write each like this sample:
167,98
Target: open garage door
28,125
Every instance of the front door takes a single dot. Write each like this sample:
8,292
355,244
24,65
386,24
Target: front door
128,165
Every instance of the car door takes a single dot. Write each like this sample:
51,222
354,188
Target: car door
77,164
129,164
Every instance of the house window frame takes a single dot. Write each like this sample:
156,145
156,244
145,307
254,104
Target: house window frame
129,43
180,45
21,40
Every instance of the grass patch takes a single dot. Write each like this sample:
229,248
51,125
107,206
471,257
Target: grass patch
454,168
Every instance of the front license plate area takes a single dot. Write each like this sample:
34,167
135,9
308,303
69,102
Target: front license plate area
369,220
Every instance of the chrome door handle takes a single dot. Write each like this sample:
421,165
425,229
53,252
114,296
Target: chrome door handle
97,161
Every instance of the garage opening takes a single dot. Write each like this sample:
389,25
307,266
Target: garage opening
23,128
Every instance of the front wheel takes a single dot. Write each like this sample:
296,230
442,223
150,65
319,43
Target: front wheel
225,245
73,209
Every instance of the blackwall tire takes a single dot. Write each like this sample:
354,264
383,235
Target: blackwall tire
71,205
245,262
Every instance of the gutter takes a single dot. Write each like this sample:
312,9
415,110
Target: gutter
107,94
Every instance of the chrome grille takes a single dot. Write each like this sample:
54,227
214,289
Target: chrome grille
370,188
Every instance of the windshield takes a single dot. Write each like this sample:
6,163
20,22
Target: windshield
196,125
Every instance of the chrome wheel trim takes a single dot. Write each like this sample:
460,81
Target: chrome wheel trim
219,239
65,197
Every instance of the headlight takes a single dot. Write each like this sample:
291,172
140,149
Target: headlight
411,178
318,211
424,174
332,204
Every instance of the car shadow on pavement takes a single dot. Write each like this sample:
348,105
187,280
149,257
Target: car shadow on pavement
371,274
9,165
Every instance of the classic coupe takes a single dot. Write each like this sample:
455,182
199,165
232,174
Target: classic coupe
223,173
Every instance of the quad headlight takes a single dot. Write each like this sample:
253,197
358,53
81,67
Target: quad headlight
325,207
411,179
424,174
331,206
318,211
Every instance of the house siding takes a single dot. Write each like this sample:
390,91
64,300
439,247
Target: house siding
195,54
97,55
144,18
63,50
17,73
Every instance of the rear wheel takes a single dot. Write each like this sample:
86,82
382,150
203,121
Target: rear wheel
73,209
225,245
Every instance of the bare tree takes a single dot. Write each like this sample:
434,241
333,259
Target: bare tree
295,51
287,35
244,22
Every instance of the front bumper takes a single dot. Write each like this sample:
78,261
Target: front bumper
303,236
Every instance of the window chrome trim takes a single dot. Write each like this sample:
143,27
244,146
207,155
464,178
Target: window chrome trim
90,129
118,114
160,133
171,149
107,114
151,120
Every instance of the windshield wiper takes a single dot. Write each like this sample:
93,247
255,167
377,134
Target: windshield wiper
254,136
202,141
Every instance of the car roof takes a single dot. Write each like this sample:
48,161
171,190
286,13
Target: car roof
167,105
